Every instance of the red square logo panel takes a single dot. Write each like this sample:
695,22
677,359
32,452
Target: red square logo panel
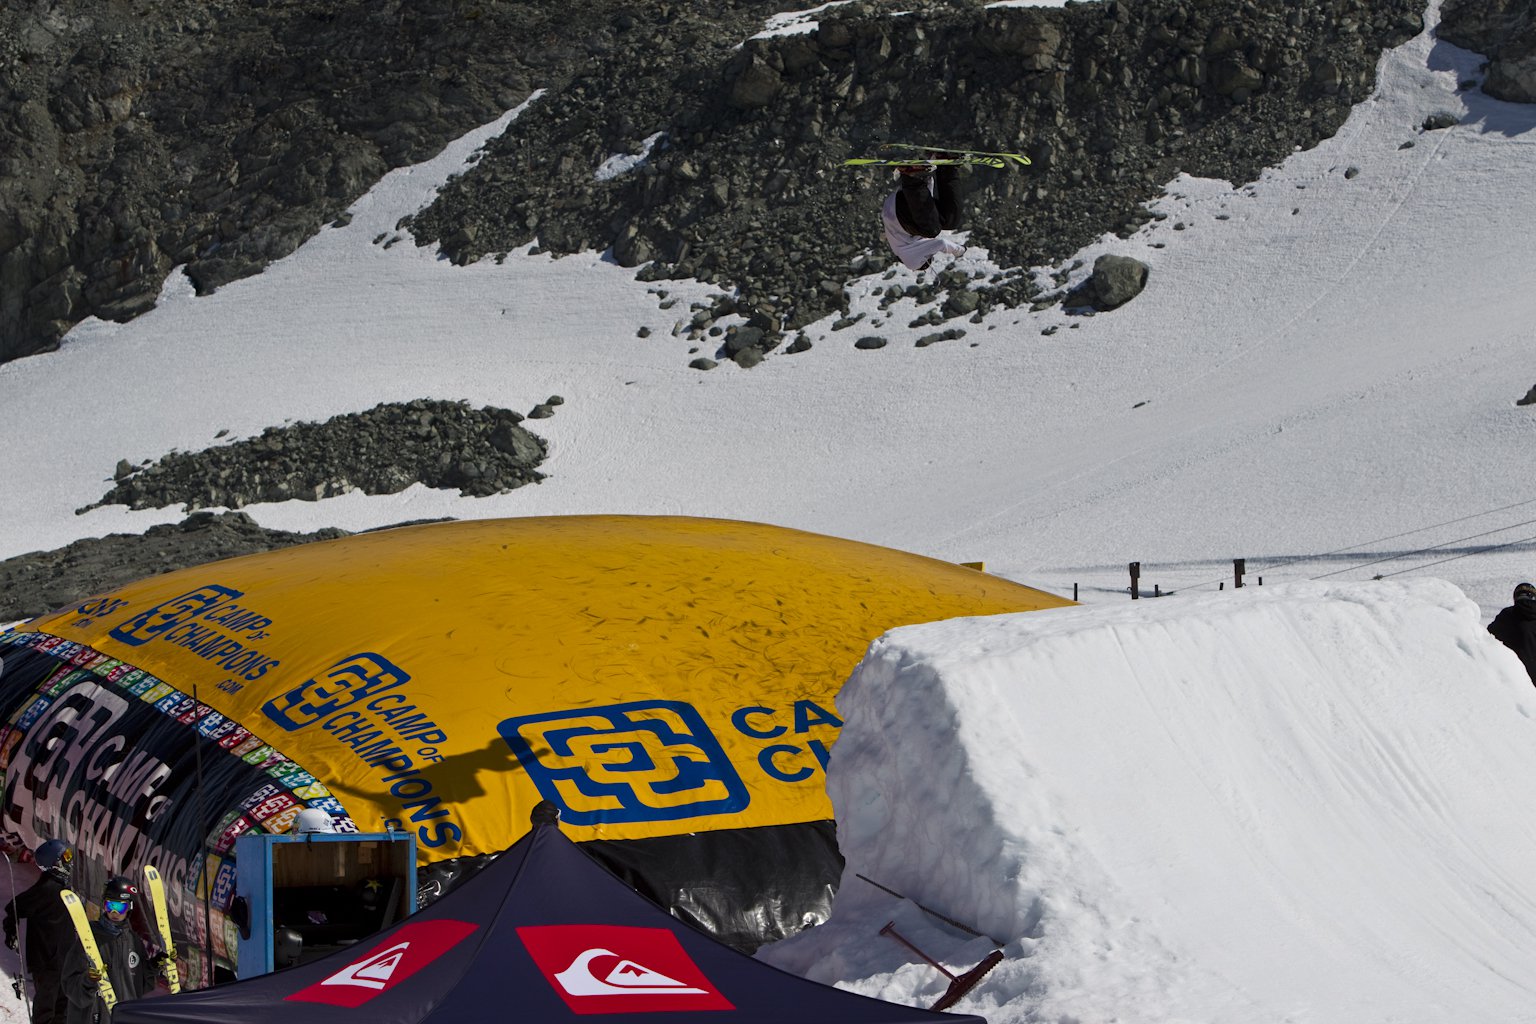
617,969
414,946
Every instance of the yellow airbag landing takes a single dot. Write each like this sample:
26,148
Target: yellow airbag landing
650,675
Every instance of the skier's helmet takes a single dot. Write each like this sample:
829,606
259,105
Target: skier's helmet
55,857
313,819
1525,592
120,888
287,947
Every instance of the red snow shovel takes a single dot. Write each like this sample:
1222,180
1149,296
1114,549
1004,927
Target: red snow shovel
959,984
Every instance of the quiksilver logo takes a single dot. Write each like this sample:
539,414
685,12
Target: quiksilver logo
372,973
613,969
394,961
624,978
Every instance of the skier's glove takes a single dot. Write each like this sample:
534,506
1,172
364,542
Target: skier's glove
92,977
160,959
11,941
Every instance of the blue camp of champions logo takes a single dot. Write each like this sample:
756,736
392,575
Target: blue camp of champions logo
652,760
167,615
353,678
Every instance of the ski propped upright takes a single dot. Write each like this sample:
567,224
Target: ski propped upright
156,889
88,940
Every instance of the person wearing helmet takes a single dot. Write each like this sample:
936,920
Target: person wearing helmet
50,933
127,963
1515,626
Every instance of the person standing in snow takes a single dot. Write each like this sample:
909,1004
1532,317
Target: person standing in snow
1515,626
122,954
50,933
926,204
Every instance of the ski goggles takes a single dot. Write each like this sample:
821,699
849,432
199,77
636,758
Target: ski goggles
116,906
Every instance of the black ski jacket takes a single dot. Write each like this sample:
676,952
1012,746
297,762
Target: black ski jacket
1516,627
128,969
49,929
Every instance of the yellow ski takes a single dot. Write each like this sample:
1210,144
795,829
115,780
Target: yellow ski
156,889
88,940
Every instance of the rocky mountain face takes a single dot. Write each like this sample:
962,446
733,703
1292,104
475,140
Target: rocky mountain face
743,184
39,583
1505,30
217,135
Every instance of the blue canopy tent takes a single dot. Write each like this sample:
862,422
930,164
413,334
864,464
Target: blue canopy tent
542,934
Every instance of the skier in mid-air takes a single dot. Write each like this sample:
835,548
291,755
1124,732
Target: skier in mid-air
49,931
926,204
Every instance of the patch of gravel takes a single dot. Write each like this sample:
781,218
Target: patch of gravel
384,450
44,581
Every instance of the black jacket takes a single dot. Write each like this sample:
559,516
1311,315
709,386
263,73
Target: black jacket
50,932
128,969
1516,627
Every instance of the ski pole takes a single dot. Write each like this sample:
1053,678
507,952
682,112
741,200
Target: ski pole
18,983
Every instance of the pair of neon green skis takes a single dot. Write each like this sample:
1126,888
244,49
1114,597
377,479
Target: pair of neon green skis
912,154
156,889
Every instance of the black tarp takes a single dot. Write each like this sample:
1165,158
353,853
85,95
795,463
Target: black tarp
541,934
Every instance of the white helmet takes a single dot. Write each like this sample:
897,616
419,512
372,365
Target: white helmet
313,819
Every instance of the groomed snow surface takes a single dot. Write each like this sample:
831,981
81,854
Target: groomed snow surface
1304,802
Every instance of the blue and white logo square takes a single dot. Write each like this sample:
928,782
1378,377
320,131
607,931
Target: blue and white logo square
649,760
355,677
167,615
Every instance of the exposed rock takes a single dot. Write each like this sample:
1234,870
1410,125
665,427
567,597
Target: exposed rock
1504,30
1115,281
933,339
48,580
1512,79
1530,397
384,450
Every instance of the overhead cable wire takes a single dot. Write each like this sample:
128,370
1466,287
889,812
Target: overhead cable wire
1464,554
1396,536
1433,547
1382,540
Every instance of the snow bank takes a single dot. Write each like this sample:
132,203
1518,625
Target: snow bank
1304,802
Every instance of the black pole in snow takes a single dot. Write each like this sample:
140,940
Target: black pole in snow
202,839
